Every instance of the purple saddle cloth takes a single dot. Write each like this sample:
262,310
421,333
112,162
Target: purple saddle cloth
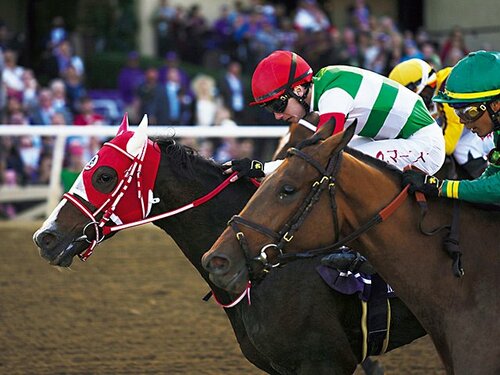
349,283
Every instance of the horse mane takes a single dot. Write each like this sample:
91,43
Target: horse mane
186,157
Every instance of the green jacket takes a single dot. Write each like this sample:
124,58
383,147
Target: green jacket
484,189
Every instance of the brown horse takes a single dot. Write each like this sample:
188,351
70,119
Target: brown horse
293,326
460,314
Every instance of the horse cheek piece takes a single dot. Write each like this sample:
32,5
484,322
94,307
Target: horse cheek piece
135,159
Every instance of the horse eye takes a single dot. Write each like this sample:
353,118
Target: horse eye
286,190
105,178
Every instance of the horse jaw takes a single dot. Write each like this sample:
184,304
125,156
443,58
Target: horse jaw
136,143
124,125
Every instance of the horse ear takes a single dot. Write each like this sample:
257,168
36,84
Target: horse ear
137,141
347,134
337,142
327,129
124,125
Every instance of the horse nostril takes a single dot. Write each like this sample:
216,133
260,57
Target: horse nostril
45,240
217,264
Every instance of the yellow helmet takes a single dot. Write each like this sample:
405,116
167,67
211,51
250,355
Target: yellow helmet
415,74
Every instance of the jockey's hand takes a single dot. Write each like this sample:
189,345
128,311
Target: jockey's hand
429,185
245,168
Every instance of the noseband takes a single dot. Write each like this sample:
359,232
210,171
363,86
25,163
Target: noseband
286,233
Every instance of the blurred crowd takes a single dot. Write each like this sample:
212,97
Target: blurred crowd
234,43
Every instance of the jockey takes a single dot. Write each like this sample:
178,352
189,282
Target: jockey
393,123
467,149
473,90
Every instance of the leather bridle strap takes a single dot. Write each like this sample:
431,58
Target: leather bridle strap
379,217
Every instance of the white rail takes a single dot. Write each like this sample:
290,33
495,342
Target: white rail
270,131
54,190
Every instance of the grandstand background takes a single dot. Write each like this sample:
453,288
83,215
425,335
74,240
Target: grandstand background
70,64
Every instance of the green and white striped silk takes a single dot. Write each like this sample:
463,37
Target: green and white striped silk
384,108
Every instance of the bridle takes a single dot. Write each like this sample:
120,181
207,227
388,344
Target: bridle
108,208
106,211
281,238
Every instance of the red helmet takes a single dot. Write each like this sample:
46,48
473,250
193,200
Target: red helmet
277,73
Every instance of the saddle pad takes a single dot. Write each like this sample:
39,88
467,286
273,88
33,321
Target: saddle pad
349,283
374,294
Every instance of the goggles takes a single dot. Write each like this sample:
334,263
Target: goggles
277,105
470,113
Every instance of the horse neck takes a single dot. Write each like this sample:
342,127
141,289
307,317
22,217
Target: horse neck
396,247
195,230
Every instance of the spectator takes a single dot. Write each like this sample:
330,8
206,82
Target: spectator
205,103
59,96
43,112
172,105
73,164
411,51
266,40
30,155
130,77
147,92
65,57
359,15
232,91
30,92
172,62
206,148
12,75
74,87
287,35
454,47
162,18
44,169
310,17
11,161
87,115
58,32
14,112
223,31
431,56
196,28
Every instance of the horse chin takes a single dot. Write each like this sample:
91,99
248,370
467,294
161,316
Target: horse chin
232,283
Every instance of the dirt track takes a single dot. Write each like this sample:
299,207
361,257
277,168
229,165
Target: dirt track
134,308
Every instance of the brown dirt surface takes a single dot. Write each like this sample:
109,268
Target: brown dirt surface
133,308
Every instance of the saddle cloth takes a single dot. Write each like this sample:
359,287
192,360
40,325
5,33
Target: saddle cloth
374,294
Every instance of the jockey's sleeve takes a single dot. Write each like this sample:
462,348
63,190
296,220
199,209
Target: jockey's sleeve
339,121
485,189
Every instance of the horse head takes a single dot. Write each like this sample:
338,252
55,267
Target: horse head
264,227
114,188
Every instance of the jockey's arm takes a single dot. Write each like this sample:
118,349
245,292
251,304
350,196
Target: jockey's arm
336,103
485,189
